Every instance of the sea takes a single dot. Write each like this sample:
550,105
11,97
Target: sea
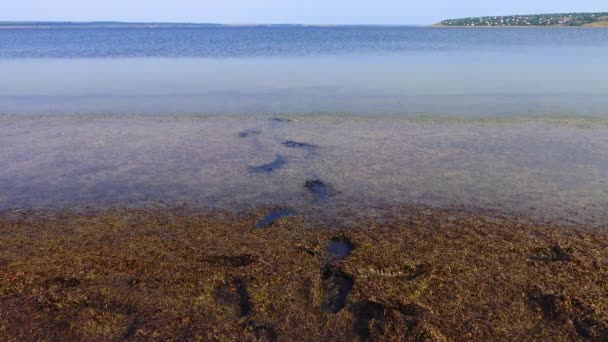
506,120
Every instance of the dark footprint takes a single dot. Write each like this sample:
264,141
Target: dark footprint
233,296
319,189
552,254
278,163
231,261
591,329
339,248
132,329
272,216
418,271
550,305
411,310
262,333
294,144
336,286
64,283
280,120
249,133
365,312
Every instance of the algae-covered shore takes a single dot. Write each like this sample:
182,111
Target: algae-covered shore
185,274
303,227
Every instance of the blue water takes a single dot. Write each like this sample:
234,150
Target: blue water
361,70
548,161
281,42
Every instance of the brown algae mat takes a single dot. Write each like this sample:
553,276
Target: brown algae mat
416,274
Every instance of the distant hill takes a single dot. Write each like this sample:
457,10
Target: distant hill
599,19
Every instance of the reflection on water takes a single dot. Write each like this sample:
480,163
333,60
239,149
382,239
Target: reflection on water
463,83
196,116
304,70
554,168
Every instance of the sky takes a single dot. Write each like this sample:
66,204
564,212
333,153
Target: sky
383,12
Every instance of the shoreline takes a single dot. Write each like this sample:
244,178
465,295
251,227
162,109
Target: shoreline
181,273
601,26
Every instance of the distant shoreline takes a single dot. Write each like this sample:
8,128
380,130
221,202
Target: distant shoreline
81,25
211,26
520,27
584,20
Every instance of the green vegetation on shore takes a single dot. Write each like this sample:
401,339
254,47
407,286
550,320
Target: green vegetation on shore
599,19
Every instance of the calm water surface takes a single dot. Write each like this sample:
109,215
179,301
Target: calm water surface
507,119
304,70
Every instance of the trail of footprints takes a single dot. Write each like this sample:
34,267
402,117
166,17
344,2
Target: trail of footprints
316,187
369,317
560,309
336,284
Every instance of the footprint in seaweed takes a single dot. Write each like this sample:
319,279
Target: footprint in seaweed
372,318
63,283
260,332
365,312
231,260
339,248
336,287
233,297
550,306
553,253
132,329
560,309
277,164
590,328
272,217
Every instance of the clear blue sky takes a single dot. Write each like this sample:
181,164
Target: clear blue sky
283,11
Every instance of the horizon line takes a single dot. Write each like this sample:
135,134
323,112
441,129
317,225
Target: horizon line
83,22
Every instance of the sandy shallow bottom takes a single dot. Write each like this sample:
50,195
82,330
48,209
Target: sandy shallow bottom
398,272
547,168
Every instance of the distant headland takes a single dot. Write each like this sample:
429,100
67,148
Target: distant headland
599,19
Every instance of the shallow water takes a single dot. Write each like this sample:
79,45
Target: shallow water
339,249
273,216
548,168
509,120
405,71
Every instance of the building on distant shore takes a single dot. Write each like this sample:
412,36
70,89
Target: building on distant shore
558,19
